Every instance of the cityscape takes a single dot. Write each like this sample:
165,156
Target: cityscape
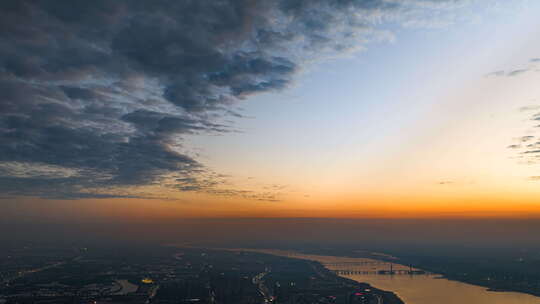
173,275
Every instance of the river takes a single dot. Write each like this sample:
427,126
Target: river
416,289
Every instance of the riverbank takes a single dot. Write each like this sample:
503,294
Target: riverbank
494,274
383,296
415,289
387,297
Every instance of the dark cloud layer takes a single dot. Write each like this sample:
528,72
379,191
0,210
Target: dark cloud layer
98,94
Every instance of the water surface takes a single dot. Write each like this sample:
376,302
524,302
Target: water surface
417,289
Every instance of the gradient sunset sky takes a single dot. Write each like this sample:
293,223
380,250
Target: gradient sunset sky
171,109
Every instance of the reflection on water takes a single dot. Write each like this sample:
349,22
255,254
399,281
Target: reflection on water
416,289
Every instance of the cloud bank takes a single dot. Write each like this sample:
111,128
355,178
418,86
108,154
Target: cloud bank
527,147
97,95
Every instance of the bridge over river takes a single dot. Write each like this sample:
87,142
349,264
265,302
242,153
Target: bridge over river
381,272
372,267
358,264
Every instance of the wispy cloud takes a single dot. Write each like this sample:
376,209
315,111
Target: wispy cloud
516,72
528,146
529,108
532,67
525,138
446,182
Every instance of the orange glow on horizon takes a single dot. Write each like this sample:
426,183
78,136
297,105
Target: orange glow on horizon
157,210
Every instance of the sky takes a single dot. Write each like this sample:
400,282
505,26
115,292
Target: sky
347,109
